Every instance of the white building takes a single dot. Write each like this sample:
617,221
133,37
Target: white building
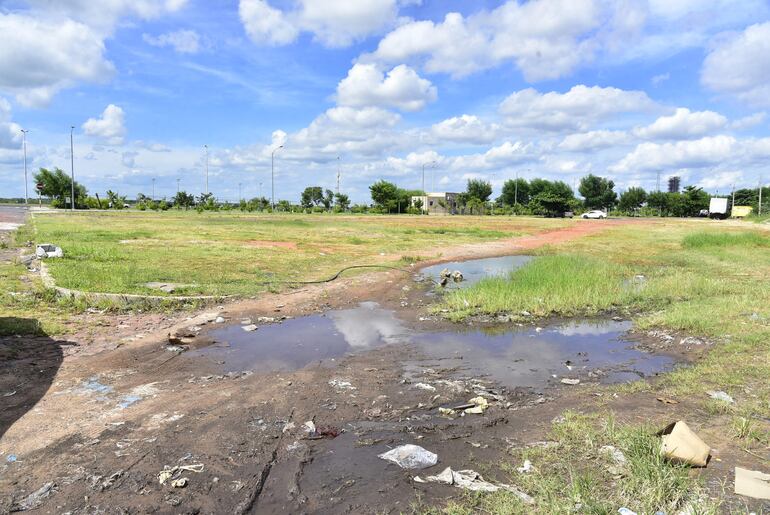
437,203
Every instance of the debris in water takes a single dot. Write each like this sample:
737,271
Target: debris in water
249,328
219,320
720,396
472,480
682,445
410,456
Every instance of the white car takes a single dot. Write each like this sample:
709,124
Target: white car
596,214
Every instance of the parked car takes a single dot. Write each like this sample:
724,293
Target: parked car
596,214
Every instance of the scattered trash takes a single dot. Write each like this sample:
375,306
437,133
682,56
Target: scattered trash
309,427
472,480
219,320
266,320
35,499
249,328
457,276
425,386
666,400
410,456
720,396
567,380
48,250
179,483
169,473
618,467
538,329
526,468
9,394
626,511
287,427
342,385
447,411
682,445
752,483
11,458
480,405
175,348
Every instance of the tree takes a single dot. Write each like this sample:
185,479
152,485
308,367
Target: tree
58,186
550,203
184,200
327,199
632,199
659,201
342,201
312,196
597,192
384,194
479,190
515,191
694,200
115,201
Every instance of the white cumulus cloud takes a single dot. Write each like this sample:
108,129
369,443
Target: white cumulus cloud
10,132
365,85
578,108
592,140
109,127
741,66
464,129
183,41
683,124
706,151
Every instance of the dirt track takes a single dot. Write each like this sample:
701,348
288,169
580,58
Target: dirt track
121,407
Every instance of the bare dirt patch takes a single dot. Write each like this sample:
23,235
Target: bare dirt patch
266,244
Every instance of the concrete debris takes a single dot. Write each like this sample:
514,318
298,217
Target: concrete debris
720,396
525,468
472,480
341,384
752,483
36,498
249,328
480,405
567,380
681,445
48,250
410,456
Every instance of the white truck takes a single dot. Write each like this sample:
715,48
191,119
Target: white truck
718,208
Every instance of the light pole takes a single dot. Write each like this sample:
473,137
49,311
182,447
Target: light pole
433,175
338,176
206,147
272,176
72,165
423,174
26,181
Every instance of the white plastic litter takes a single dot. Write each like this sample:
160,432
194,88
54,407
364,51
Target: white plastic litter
410,456
472,480
48,250
425,386
524,469
721,396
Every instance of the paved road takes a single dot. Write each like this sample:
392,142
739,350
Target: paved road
12,217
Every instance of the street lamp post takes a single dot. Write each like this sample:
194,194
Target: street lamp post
206,147
72,165
26,181
272,176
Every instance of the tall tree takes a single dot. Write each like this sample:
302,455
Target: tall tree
479,190
58,186
312,196
342,201
632,199
515,191
384,194
597,192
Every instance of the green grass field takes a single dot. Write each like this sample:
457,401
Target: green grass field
229,253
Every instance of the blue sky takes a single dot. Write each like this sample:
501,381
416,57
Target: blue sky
484,89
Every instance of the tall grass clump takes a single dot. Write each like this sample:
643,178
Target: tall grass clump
702,240
560,284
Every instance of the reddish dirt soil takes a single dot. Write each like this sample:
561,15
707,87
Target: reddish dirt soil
97,415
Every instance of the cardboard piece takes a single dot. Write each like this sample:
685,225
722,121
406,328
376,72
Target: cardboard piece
681,445
752,483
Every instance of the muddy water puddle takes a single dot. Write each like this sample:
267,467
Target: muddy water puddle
475,270
508,355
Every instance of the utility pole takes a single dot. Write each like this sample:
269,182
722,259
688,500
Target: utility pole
207,168
338,176
272,176
26,181
733,198
72,165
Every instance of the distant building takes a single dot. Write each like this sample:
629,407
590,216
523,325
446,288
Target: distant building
673,184
437,203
